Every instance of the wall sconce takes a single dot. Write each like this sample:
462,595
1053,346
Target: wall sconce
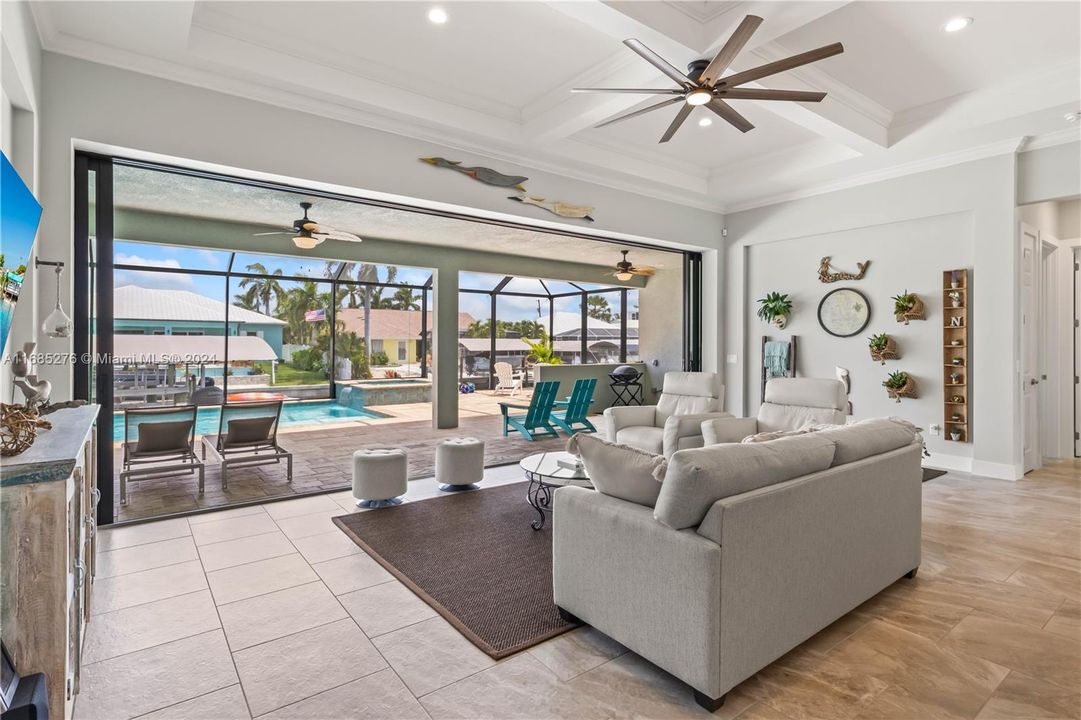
58,324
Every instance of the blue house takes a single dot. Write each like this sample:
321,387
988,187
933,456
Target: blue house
153,311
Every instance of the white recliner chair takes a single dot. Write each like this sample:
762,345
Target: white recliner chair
790,404
675,422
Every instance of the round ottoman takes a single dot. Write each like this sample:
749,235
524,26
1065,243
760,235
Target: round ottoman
379,477
459,463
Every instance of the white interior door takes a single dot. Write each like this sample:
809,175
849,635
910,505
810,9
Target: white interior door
1030,337
1077,351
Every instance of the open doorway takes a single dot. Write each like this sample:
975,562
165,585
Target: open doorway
1049,238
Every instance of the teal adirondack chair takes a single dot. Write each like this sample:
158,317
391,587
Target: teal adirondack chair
573,418
538,417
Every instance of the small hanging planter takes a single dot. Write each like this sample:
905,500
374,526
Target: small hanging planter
775,309
882,348
899,385
908,306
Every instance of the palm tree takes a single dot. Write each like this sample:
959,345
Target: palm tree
295,304
261,290
377,297
597,308
404,299
367,273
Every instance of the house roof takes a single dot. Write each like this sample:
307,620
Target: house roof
392,324
188,349
131,302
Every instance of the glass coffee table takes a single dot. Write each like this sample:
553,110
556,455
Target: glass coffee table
547,471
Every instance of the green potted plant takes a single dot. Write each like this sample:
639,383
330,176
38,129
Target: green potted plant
907,306
882,348
900,384
775,308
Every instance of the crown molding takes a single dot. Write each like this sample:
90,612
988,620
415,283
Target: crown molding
1002,147
1059,137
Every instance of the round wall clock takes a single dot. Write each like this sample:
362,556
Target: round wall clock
844,312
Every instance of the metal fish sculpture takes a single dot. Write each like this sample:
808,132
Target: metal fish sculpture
480,174
826,276
562,209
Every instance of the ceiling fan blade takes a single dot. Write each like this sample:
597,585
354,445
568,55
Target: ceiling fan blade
276,232
639,91
657,61
781,65
763,94
339,235
727,112
644,271
683,114
643,111
728,53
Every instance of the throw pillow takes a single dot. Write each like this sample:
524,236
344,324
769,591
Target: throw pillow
767,436
618,470
700,477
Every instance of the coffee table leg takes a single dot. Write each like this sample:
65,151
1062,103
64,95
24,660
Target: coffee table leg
539,496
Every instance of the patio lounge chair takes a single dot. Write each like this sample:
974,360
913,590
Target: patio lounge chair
248,435
507,379
573,418
538,417
158,442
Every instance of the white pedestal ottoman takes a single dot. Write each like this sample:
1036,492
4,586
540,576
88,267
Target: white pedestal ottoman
380,477
459,464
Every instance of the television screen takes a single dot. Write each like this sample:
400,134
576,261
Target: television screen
19,216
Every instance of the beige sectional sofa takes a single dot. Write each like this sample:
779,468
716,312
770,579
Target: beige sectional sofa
741,551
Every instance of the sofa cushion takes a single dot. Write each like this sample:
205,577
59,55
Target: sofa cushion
697,478
868,437
643,437
619,470
776,434
772,418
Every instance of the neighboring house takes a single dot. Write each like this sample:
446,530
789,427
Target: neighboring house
395,332
154,311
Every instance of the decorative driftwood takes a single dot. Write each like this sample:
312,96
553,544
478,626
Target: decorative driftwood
18,429
889,353
826,275
916,312
907,390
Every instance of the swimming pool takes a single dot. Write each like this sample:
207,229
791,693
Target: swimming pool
321,412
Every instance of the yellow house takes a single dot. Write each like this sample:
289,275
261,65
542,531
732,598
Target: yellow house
394,332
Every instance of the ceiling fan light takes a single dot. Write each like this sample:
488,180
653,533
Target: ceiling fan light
305,242
624,276
698,97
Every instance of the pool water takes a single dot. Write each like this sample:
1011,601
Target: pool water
297,413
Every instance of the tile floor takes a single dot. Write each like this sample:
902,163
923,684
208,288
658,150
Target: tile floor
271,612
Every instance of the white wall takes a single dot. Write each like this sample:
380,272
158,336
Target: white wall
1051,173
956,216
1069,219
660,324
90,103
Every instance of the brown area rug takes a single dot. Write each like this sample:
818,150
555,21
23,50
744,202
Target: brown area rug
475,559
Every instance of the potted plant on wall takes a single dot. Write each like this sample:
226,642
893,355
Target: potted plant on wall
907,306
900,384
882,347
775,309
955,298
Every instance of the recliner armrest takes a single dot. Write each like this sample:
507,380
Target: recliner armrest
728,430
617,418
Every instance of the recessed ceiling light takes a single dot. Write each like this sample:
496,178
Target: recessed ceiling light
437,15
705,122
957,24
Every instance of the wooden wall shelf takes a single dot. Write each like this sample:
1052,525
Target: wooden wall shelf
955,377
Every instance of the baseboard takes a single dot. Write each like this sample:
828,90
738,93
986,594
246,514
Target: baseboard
998,471
956,463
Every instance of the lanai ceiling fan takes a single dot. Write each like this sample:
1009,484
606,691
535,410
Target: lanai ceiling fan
703,84
625,269
307,233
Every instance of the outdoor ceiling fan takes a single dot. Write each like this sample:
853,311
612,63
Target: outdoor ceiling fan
307,233
625,269
703,84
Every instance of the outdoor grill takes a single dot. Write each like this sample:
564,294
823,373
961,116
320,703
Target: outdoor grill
625,384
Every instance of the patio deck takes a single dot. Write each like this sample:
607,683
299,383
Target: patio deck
322,457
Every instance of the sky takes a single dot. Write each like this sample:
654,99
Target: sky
511,308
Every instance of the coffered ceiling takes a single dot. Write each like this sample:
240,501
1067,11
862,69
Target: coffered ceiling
496,79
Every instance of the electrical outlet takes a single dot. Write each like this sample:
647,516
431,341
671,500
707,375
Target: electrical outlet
934,429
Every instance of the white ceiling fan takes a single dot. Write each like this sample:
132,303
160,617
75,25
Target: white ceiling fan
307,233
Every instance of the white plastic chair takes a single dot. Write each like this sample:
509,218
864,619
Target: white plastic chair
507,379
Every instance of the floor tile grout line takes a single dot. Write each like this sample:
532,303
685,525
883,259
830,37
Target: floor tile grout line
309,697
248,562
228,646
136,572
195,697
291,634
242,537
149,602
107,530
156,645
